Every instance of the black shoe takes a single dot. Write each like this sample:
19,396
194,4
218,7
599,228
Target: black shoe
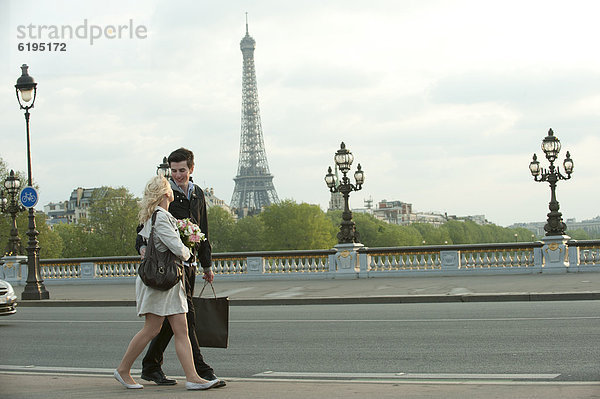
211,377
158,377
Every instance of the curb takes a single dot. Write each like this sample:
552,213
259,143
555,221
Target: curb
435,298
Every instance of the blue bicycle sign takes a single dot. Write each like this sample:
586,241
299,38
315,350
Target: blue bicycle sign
28,197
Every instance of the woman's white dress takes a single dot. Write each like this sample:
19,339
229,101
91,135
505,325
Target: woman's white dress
150,300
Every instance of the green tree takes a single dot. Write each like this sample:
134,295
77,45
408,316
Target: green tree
248,235
411,236
289,225
523,234
431,234
368,228
377,233
51,243
578,234
112,221
221,227
75,240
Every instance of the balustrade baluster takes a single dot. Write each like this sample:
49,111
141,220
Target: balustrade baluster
297,264
478,263
587,257
502,258
412,261
387,265
277,265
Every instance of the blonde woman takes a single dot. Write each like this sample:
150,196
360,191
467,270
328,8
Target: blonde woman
155,305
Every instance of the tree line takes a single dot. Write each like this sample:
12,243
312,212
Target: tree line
110,229
288,226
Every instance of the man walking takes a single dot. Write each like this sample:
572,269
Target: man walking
189,203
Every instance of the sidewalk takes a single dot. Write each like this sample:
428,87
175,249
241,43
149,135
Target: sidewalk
53,386
529,287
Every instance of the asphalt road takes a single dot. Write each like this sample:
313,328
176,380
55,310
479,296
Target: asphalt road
542,341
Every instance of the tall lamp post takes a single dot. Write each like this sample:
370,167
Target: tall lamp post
12,206
164,169
551,147
26,90
343,159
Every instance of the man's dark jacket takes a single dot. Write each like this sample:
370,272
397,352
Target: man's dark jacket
194,209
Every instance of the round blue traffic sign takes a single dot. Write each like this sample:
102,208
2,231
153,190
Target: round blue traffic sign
28,197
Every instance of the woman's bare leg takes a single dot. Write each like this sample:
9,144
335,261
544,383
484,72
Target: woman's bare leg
184,348
151,328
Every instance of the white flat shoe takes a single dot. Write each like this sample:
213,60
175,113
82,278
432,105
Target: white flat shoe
194,386
128,386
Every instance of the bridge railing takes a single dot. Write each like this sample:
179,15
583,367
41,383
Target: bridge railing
453,259
356,262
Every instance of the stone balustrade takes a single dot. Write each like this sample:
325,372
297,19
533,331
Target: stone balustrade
557,255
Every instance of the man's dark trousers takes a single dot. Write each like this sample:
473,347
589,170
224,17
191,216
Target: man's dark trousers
154,357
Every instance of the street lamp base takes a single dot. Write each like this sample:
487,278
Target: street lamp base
555,254
35,291
346,259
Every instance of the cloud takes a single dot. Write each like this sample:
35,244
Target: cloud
520,89
442,103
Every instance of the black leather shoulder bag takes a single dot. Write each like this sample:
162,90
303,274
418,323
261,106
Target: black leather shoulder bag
159,270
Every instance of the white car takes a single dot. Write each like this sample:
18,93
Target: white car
8,299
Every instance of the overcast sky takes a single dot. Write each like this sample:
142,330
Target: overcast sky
442,102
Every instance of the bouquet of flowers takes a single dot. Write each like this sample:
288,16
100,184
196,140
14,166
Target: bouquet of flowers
189,232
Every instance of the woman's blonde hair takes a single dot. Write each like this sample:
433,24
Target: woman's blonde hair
153,194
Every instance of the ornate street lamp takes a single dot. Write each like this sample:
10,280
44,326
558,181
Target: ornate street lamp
551,147
164,169
26,90
12,206
343,159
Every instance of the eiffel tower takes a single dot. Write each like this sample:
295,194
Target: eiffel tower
254,188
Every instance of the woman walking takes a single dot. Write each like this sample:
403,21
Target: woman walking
154,304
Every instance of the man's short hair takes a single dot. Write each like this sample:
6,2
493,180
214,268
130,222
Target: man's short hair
182,154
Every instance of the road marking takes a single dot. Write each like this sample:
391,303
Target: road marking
51,369
87,370
330,320
235,291
264,377
420,376
290,292
71,321
412,320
